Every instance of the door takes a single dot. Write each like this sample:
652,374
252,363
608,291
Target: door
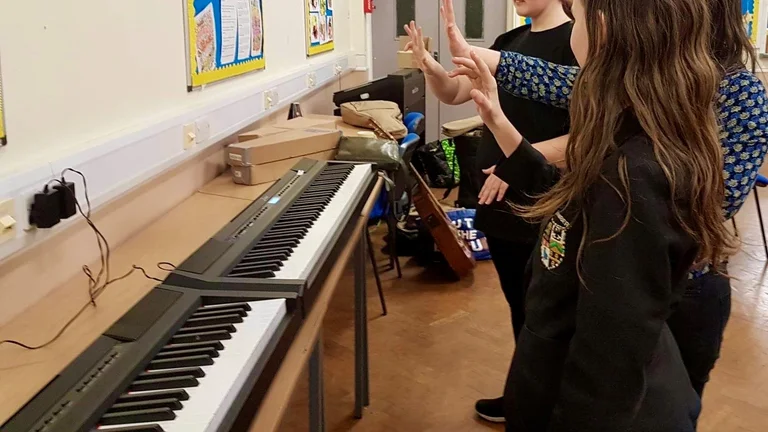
481,22
483,19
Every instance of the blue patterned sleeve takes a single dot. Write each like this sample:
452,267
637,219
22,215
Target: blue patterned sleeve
743,115
536,79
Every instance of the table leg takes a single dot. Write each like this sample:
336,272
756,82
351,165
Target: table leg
316,390
361,331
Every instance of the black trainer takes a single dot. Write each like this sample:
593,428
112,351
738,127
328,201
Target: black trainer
491,410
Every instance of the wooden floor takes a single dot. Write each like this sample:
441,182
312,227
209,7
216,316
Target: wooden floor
445,344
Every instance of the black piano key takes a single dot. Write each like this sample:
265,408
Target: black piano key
164,383
284,235
258,265
171,403
202,336
233,318
180,362
185,371
278,256
139,416
255,274
139,428
213,327
218,346
286,242
211,307
232,311
292,223
179,394
260,261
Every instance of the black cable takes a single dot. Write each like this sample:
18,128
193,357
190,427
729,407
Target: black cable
166,266
94,290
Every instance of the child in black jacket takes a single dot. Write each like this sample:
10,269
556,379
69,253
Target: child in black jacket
621,224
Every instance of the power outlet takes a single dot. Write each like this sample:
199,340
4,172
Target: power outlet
8,223
189,136
271,99
203,130
337,69
311,80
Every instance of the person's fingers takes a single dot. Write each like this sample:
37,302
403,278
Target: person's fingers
408,46
463,71
501,191
420,36
489,170
481,100
482,69
449,13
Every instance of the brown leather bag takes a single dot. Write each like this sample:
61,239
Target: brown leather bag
381,116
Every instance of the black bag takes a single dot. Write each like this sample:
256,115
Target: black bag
384,154
469,180
437,169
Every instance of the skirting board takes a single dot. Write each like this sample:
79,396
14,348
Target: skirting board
120,163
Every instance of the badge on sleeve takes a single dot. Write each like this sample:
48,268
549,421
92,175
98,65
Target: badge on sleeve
553,241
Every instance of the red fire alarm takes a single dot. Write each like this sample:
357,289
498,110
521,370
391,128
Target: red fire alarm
368,6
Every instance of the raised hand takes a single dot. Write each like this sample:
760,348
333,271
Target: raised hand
423,58
484,88
456,42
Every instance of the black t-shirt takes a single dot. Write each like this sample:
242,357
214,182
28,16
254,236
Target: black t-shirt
536,122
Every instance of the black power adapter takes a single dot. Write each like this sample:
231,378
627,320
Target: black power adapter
67,200
46,208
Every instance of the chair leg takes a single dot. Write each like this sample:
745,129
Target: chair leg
394,260
372,255
760,218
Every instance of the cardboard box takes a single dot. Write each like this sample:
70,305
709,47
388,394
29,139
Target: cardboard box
284,145
271,171
403,41
311,121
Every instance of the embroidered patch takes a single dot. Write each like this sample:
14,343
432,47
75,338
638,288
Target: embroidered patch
553,241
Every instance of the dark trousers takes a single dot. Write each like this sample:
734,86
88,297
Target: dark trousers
510,259
698,324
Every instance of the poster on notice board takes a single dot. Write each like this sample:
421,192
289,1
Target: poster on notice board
320,26
750,11
225,39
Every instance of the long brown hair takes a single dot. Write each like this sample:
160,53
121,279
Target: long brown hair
730,43
650,58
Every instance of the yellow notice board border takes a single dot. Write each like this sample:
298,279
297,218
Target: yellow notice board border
320,26
207,14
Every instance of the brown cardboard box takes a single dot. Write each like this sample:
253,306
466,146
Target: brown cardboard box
259,133
285,145
311,121
271,171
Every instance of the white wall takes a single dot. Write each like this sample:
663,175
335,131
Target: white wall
77,71
100,85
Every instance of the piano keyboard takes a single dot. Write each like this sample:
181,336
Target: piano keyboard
192,381
285,242
195,377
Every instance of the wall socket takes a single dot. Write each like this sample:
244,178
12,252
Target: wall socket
8,225
189,136
271,99
202,130
312,80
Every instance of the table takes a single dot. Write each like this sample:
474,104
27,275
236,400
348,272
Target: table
172,238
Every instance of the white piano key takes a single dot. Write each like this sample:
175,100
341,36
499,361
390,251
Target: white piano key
305,254
208,403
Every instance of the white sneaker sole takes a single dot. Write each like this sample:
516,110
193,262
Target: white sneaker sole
491,419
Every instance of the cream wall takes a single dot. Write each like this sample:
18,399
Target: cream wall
74,72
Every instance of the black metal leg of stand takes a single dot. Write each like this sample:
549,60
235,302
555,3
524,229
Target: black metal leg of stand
372,255
762,227
394,261
316,390
361,331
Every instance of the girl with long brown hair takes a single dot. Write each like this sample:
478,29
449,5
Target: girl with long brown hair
698,323
637,203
